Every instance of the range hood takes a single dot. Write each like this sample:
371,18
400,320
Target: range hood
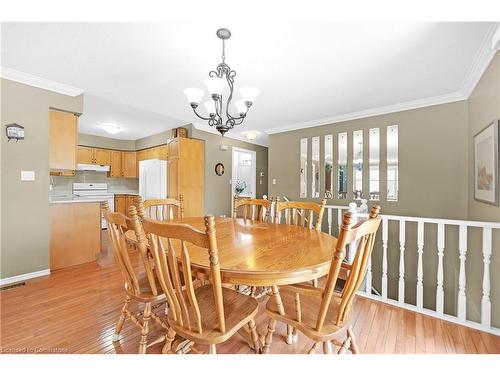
92,167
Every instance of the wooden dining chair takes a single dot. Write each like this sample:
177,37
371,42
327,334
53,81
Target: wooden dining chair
161,209
253,209
326,318
209,314
299,213
139,282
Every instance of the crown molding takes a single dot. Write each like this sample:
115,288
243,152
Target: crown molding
42,83
414,104
485,54
261,141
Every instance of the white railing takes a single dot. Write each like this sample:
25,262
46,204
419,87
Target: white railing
441,225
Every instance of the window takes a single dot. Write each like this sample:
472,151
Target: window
392,163
328,166
342,161
374,163
357,164
315,168
303,168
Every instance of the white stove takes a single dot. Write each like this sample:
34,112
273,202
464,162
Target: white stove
97,191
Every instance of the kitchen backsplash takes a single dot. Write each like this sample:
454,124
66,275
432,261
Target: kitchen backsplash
63,184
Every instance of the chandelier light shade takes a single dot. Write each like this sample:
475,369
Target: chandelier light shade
218,106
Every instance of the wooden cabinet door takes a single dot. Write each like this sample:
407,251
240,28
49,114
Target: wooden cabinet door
84,155
129,164
120,204
102,157
62,140
173,178
116,164
131,201
163,152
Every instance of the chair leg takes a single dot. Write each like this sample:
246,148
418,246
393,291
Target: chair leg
168,341
212,349
354,347
254,335
345,346
327,347
269,337
145,329
289,334
121,319
313,348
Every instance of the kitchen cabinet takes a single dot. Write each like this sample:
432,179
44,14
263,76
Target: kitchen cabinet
186,167
129,164
63,129
84,155
102,156
75,233
116,164
123,202
91,155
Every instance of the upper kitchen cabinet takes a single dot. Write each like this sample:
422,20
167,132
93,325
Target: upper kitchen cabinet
116,164
84,155
91,155
63,128
129,164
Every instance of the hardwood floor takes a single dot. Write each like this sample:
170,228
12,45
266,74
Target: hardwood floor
74,310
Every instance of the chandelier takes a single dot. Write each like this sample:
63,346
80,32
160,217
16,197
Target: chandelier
218,111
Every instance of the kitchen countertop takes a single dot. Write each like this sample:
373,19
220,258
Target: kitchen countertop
70,198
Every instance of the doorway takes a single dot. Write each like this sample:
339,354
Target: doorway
244,173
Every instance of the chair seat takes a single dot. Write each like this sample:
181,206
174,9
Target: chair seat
310,306
146,293
238,311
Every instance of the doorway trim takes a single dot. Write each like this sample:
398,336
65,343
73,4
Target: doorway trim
233,172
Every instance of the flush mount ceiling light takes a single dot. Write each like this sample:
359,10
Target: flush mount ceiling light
216,82
251,134
111,128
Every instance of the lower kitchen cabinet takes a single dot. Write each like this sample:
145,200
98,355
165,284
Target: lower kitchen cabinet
123,202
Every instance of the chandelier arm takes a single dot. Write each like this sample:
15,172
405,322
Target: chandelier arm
203,118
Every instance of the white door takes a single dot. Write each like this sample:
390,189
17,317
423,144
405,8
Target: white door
244,173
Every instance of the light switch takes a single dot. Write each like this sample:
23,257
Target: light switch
260,182
27,175
274,181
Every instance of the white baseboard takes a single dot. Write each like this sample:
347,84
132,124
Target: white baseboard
24,276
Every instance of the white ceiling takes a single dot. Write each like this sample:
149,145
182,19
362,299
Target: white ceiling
308,73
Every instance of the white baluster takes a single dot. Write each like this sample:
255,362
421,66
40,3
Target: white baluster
330,221
462,249
339,218
440,278
485,301
402,238
385,232
420,267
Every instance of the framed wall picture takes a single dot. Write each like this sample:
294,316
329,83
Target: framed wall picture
486,161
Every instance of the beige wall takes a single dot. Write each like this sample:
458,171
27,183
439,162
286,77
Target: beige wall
105,142
217,188
25,206
432,160
484,107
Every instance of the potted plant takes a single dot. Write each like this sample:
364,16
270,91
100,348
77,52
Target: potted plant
239,187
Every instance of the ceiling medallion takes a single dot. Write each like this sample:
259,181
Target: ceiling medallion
218,111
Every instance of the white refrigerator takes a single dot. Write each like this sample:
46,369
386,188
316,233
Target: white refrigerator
153,179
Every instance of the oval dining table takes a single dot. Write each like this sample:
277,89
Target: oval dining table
262,254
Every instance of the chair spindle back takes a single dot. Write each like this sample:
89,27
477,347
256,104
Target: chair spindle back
253,209
167,243
118,224
161,209
364,233
300,213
